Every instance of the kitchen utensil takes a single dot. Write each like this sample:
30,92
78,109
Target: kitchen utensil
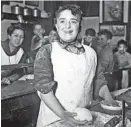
16,9
27,11
36,12
20,18
123,113
113,122
126,96
112,108
44,14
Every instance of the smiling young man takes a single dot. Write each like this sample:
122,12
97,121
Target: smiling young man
64,71
105,56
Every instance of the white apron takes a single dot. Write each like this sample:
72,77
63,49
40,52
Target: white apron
125,79
74,74
8,60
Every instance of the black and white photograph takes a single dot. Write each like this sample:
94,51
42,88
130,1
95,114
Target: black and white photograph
65,63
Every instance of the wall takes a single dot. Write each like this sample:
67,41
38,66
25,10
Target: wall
90,22
125,20
5,23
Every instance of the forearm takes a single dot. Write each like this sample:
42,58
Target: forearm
14,77
128,66
51,101
105,93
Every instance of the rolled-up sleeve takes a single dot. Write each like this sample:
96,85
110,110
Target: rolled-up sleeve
99,80
43,70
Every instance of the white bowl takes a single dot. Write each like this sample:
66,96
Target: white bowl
113,108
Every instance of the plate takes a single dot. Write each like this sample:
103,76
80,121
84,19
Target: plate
111,107
125,96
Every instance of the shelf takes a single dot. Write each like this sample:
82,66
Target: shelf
26,18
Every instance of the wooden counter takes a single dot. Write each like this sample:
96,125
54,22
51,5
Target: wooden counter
19,104
98,109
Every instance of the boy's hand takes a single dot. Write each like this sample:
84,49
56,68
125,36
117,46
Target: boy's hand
68,117
5,81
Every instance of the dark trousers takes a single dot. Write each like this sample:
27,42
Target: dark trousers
110,82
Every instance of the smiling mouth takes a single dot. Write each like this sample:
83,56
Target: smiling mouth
68,32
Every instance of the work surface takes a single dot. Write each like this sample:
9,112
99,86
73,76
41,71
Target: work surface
100,116
17,88
99,121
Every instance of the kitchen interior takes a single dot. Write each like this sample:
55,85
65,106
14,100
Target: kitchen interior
19,100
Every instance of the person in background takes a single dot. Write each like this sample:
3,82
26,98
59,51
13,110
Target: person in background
53,36
63,66
123,61
38,40
105,56
39,37
91,40
90,34
12,53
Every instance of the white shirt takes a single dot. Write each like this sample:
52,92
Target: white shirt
8,60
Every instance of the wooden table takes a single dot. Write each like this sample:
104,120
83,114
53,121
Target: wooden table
99,109
19,104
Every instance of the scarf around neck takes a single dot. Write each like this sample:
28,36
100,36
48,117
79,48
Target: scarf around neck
6,48
74,47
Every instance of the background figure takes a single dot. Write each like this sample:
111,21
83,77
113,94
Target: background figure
89,36
38,39
90,39
123,61
105,56
12,53
53,36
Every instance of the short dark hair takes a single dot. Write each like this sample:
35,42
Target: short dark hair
75,10
105,32
122,42
90,31
13,27
37,23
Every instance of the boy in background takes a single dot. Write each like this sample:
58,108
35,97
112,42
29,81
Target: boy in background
123,61
39,37
89,36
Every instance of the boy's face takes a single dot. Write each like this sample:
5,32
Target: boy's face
67,26
38,30
103,40
16,38
122,48
89,38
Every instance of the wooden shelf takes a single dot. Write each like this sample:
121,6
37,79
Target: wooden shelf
26,18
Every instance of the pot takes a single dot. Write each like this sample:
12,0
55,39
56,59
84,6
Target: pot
44,14
36,12
27,11
17,10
